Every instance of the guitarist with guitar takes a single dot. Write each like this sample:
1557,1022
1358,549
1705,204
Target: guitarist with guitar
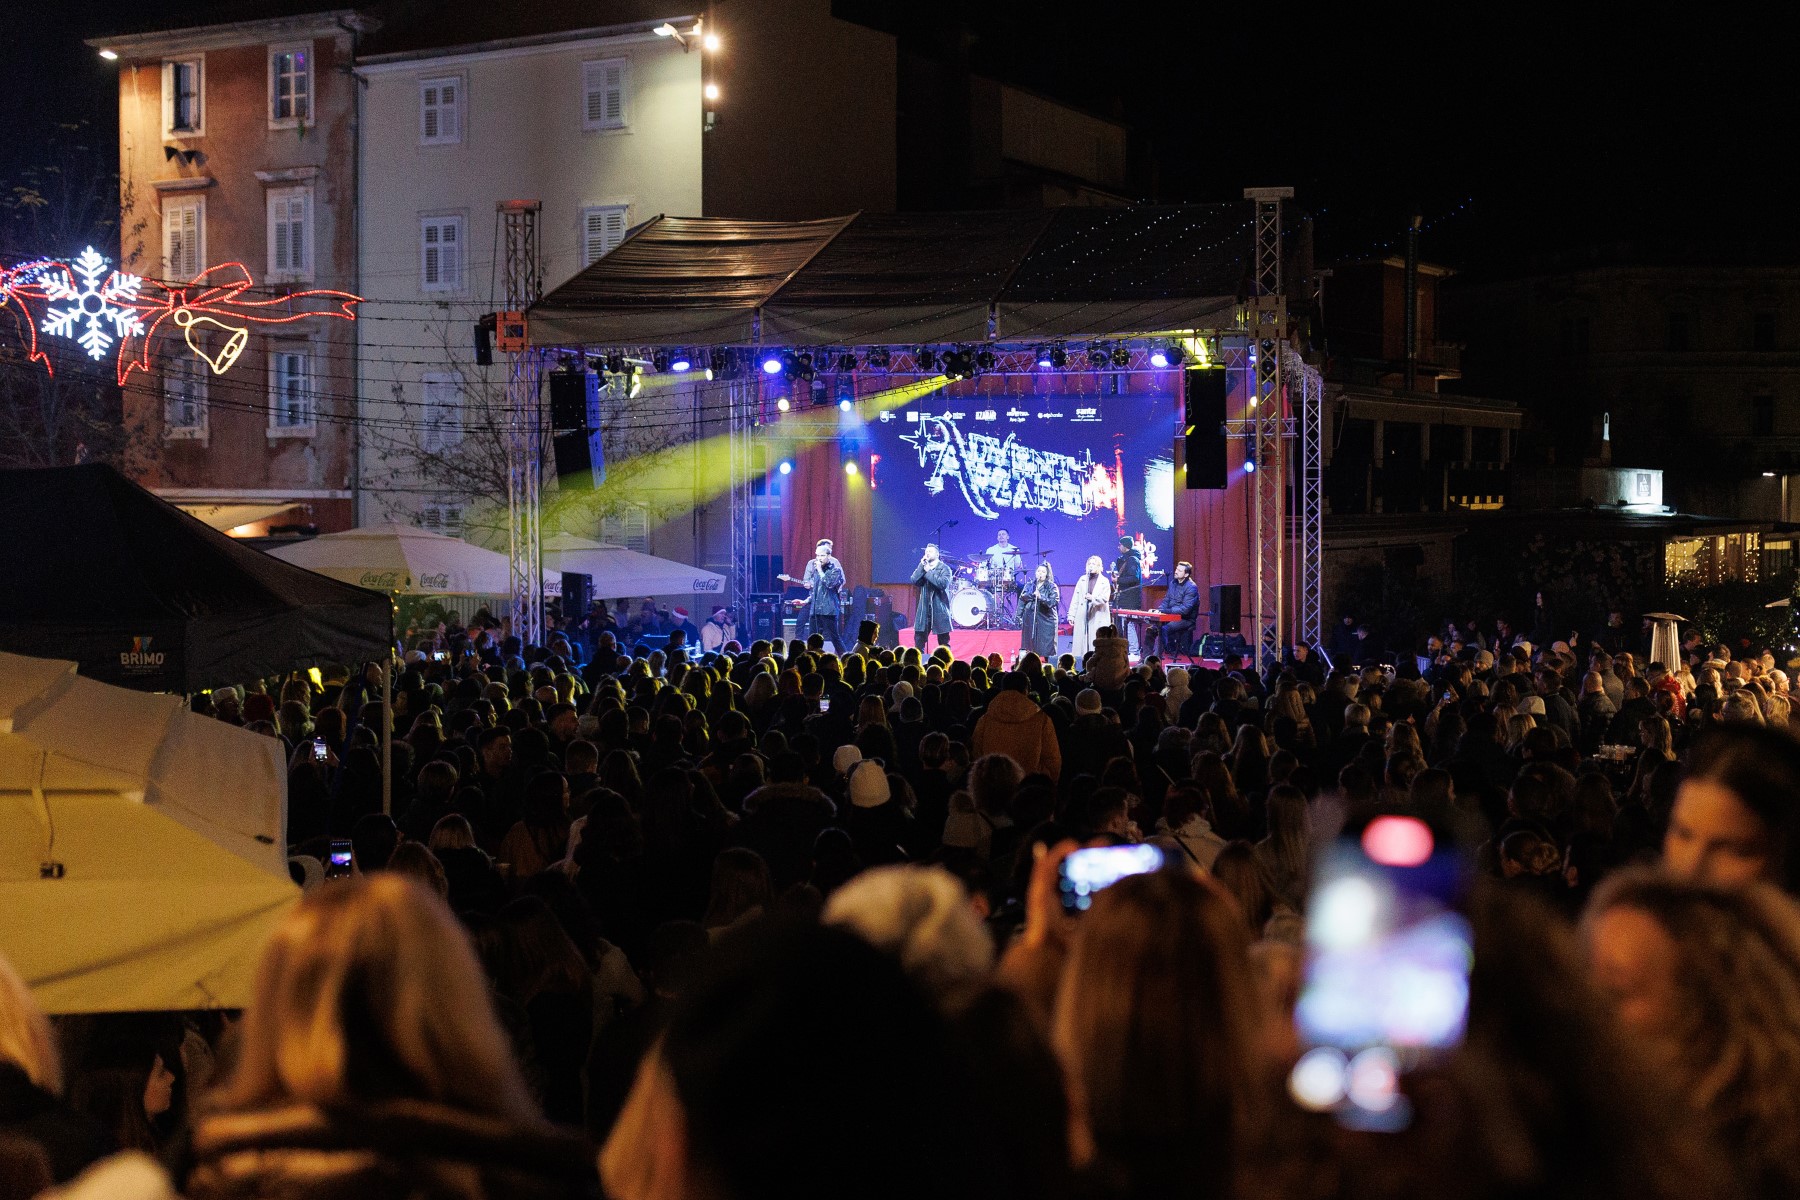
823,580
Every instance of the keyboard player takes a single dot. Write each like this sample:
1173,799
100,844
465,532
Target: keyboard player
1182,601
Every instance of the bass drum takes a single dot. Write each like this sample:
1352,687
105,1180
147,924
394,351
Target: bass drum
970,607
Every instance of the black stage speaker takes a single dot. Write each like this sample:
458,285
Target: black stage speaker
765,620
578,595
1203,426
575,428
1227,607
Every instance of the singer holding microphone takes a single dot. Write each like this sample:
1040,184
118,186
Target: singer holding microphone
932,577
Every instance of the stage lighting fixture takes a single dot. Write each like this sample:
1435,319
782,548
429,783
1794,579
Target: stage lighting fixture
803,365
877,358
660,360
1159,358
1043,359
1249,466
615,363
786,468
846,363
1170,355
1059,357
711,42
783,404
711,91
985,360
959,363
772,365
844,404
1268,346
850,467
1097,356
926,359
681,362
1121,356
719,362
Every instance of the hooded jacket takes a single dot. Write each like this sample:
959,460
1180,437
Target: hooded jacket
1015,726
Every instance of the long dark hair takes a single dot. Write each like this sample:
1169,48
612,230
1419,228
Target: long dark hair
1761,767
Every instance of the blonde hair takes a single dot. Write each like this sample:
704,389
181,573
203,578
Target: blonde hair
25,1036
373,972
452,832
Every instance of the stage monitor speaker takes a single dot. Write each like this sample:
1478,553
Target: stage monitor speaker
1203,426
574,400
1227,607
577,596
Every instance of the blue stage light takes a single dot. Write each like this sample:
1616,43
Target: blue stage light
787,468
682,363
772,365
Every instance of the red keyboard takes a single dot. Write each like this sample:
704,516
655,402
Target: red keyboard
1145,615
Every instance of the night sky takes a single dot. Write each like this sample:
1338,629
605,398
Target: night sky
1513,135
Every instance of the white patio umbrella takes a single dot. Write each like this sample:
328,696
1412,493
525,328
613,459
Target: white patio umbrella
403,559
617,571
142,847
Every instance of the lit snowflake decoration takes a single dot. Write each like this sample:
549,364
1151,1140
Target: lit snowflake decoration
93,304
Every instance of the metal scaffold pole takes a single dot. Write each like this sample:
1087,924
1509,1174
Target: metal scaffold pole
1267,321
524,426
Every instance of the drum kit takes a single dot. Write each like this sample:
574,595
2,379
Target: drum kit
983,597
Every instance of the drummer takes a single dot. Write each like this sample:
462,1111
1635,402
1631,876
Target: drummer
1003,563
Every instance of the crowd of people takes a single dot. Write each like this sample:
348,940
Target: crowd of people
772,921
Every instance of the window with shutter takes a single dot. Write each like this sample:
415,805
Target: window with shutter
442,426
603,93
182,97
628,526
442,516
440,254
602,229
184,238
290,393
440,111
184,398
290,235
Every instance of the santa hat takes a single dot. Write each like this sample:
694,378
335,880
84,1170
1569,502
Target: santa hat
682,613
721,611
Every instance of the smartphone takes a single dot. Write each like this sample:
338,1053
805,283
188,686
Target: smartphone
320,750
339,861
1386,986
1086,873
439,656
824,703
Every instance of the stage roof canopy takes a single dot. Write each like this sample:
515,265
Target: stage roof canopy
902,279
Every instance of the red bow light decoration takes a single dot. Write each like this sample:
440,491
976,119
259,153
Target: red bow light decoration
213,299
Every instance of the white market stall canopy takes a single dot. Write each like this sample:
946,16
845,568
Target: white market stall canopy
907,278
404,559
617,571
142,847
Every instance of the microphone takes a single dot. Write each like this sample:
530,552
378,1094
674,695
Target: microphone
951,524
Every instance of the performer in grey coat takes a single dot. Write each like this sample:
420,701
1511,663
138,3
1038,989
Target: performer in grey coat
824,577
1038,614
932,577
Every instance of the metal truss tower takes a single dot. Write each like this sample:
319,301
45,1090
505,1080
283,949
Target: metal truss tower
1311,491
744,401
1267,325
524,425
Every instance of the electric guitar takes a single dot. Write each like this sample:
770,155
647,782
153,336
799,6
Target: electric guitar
802,603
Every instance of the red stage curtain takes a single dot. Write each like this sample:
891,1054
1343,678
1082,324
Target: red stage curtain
821,500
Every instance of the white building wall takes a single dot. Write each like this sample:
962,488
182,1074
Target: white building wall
521,134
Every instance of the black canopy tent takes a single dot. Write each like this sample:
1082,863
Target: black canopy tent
901,279
140,594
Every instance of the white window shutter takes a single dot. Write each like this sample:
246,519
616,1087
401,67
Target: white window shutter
432,255
181,241
603,86
428,112
449,117
452,263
